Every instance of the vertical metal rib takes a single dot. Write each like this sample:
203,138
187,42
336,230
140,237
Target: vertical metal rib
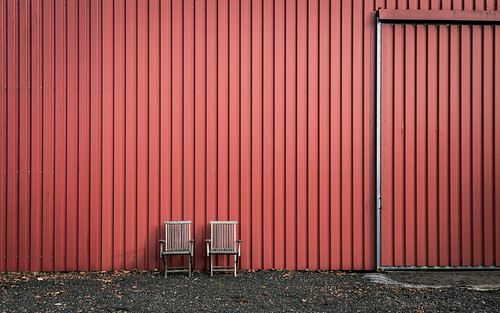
378,136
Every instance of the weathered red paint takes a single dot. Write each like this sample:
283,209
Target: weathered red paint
118,115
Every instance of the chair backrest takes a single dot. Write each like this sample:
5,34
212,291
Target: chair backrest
223,234
177,235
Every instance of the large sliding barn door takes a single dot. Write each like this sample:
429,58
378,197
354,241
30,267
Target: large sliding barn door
440,145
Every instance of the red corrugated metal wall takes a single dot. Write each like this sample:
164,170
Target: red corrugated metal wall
118,115
440,144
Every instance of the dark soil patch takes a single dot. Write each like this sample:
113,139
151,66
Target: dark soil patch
260,291
466,279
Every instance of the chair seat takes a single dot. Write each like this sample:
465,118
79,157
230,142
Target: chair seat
177,251
223,251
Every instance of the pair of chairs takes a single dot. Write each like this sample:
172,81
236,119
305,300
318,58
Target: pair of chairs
178,242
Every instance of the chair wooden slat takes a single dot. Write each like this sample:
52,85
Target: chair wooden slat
177,237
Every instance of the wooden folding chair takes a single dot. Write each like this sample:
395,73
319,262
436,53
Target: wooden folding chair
223,242
177,242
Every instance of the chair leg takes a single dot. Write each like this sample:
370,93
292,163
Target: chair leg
165,262
190,261
235,262
211,266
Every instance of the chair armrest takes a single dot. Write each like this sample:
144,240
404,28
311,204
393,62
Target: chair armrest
191,244
239,241
208,242
162,242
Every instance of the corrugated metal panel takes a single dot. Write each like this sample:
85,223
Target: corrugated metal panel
119,115
439,111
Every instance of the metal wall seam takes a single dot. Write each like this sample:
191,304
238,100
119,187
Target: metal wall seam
47,87
10,230
369,107
378,143
143,106
3,147
496,110
290,134
60,156
35,136
488,135
245,128
24,139
107,135
279,136
95,215
324,226
234,73
335,135
119,136
301,135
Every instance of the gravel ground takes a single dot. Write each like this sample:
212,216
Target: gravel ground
259,291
